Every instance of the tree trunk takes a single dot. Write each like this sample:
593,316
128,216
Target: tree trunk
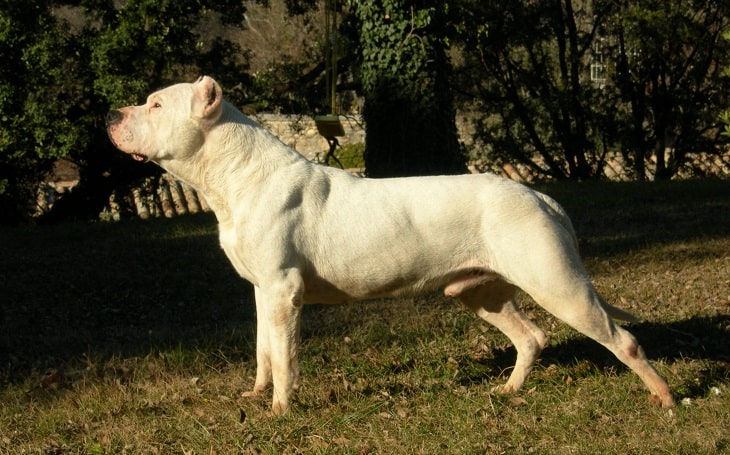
409,113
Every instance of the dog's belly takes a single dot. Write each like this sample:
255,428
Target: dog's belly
453,283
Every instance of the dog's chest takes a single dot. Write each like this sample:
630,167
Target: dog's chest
232,247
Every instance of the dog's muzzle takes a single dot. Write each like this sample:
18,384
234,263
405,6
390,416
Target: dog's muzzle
113,117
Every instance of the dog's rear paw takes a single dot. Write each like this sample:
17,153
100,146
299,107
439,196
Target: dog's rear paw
666,401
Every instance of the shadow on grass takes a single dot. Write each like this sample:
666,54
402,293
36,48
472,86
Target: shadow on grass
115,290
704,339
614,218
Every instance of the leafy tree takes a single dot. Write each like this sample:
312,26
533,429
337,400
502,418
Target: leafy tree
33,131
404,71
138,48
149,43
540,109
669,73
522,64
285,41
659,101
66,76
396,59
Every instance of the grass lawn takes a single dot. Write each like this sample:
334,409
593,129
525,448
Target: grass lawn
138,338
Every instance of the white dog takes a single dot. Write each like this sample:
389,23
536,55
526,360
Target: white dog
305,233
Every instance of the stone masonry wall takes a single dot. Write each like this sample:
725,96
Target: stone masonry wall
301,133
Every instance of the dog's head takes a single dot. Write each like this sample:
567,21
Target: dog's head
171,125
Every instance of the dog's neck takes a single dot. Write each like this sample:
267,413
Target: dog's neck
249,149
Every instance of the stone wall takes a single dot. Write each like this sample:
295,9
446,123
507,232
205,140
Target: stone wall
300,132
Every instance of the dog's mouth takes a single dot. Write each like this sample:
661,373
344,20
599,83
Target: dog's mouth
139,157
135,155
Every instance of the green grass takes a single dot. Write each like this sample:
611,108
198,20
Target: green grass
138,337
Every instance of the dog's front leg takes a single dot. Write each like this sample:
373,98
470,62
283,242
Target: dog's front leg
278,316
263,348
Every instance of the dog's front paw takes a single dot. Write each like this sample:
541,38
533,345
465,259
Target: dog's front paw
279,408
503,389
256,392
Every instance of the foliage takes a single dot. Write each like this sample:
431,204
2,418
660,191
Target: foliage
352,156
521,67
33,132
669,73
531,82
147,44
404,70
133,50
87,57
286,56
658,93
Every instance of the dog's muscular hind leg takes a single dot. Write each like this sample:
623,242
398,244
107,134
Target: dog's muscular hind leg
494,303
592,320
584,311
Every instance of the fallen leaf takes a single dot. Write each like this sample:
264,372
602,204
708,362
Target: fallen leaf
51,378
341,441
517,401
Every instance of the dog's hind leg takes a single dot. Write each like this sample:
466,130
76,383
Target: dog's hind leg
583,310
494,302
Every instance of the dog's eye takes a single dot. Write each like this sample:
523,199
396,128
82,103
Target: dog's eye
156,106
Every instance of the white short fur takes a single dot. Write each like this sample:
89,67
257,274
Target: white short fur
305,233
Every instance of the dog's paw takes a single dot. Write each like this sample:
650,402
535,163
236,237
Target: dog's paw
503,389
256,392
280,407
662,401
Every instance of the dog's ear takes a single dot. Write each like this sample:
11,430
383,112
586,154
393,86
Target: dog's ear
208,99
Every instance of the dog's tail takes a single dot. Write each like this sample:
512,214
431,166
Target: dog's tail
618,313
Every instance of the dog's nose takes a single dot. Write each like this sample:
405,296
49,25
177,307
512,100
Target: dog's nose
114,117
